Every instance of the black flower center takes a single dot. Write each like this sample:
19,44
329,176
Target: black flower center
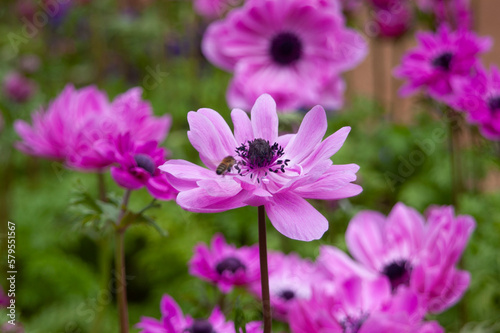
287,294
230,264
258,157
398,273
352,324
145,162
443,61
286,48
200,326
494,103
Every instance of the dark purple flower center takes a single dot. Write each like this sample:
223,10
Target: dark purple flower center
145,162
352,325
494,103
398,273
287,294
258,157
230,264
200,326
443,61
286,48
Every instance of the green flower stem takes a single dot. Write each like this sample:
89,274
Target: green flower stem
121,284
264,274
101,184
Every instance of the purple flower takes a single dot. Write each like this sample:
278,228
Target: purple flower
137,165
293,50
225,265
479,97
412,253
174,321
394,20
76,120
361,306
290,279
4,299
438,59
275,171
17,87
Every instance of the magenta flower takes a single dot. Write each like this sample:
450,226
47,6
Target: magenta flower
290,279
174,321
4,299
76,120
413,253
362,306
293,50
137,165
17,87
225,265
277,172
394,20
479,97
438,59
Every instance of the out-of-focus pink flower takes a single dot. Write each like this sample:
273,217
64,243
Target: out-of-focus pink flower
290,279
395,20
9,328
17,87
479,97
138,165
413,253
212,9
290,49
225,265
439,58
4,299
174,321
362,306
455,13
76,120
29,63
275,171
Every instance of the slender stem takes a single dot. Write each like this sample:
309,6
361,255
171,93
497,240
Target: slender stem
101,184
105,271
121,284
264,274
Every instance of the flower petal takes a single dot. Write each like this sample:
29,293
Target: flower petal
210,136
311,131
364,238
265,118
242,126
295,218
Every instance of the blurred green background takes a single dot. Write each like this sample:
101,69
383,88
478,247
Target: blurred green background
59,259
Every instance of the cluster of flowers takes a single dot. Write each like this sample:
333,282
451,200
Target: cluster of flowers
447,67
404,268
87,132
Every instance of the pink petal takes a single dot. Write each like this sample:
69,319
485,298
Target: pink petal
212,140
328,147
295,218
242,126
406,228
311,132
364,238
265,118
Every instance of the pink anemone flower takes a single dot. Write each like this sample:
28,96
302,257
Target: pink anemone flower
294,50
225,265
290,279
137,165
412,253
361,306
174,321
438,59
479,97
76,120
18,88
277,172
